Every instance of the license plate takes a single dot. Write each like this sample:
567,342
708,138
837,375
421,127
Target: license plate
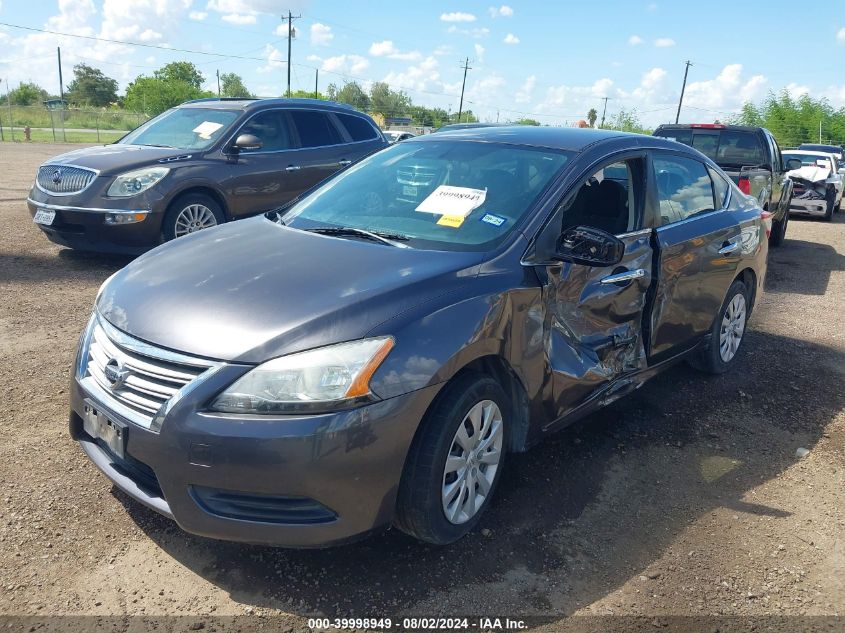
409,190
44,216
99,426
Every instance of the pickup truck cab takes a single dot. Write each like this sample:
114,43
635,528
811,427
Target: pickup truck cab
751,157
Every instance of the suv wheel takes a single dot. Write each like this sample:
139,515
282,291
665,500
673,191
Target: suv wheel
191,213
455,462
726,334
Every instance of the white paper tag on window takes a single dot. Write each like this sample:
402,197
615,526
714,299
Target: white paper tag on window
207,128
453,201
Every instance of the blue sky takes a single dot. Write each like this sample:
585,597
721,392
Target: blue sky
548,60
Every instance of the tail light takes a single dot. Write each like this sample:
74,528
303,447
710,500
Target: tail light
744,185
766,217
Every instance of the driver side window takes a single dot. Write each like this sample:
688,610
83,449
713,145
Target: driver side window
609,199
271,129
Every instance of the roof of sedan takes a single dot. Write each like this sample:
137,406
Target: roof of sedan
566,138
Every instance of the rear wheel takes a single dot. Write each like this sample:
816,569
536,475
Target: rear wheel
191,213
455,462
779,229
726,334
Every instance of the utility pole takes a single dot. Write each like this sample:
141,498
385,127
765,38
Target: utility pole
463,85
683,88
218,83
603,112
290,20
61,93
316,82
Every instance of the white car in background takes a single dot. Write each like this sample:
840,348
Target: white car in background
818,183
394,136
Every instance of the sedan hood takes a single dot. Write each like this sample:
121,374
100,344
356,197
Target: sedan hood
253,290
114,159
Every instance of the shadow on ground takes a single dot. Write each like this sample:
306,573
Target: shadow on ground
801,267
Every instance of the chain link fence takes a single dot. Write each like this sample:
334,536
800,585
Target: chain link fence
37,123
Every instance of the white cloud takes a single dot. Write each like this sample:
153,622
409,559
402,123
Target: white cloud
275,60
443,49
479,53
635,40
346,64
239,18
321,35
504,11
727,92
457,16
423,76
510,38
148,35
664,42
477,33
840,35
388,49
198,16
651,7
524,93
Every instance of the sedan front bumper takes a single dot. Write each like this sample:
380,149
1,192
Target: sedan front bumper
814,208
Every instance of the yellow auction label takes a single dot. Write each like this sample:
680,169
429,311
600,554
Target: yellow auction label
451,220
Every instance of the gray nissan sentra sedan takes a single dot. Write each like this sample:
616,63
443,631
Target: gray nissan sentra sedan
371,353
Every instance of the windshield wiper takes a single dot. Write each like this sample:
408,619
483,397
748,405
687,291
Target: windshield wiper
376,236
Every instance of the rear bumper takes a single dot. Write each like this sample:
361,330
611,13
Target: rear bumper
85,228
304,481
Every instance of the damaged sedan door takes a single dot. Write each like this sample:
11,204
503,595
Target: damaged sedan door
595,294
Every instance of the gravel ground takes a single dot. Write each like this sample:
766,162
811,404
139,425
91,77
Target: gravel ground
686,498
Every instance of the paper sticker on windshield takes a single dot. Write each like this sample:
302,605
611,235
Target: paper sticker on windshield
451,220
495,220
453,201
207,128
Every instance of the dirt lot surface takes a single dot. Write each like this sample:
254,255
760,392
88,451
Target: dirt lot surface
686,498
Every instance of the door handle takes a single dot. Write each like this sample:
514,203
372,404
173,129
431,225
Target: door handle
625,276
345,162
293,168
729,247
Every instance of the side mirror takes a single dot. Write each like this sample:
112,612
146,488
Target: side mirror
247,142
589,246
793,163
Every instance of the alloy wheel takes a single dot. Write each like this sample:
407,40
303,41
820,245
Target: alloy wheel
472,462
732,329
193,218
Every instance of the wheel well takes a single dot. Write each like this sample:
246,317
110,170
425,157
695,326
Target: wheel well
748,277
208,191
498,369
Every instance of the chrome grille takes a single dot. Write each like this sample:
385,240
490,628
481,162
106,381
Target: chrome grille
64,179
150,377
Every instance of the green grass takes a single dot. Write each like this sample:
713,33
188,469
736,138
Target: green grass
38,116
46,136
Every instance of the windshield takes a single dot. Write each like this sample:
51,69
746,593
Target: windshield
809,159
441,195
183,128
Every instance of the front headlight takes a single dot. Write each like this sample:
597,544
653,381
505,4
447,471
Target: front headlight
134,182
322,379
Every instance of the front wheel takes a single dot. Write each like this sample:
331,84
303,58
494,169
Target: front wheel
191,213
456,461
726,334
830,198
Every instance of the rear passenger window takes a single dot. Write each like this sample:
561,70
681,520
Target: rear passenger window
359,129
721,187
315,128
684,188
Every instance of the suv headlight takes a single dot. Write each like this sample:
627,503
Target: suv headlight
134,182
323,379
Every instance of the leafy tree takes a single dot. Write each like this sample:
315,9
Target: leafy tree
527,122
307,94
153,95
181,71
626,121
331,92
795,120
232,85
91,87
353,94
390,103
592,116
27,94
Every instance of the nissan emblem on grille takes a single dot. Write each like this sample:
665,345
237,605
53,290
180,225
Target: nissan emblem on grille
115,373
57,177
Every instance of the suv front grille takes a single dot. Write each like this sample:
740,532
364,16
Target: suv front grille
415,176
138,377
64,179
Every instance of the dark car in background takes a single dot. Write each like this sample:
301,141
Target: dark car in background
372,354
751,157
195,166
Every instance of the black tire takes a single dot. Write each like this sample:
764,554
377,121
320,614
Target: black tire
708,357
779,230
419,506
830,198
168,227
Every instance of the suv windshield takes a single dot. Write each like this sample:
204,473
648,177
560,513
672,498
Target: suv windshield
183,128
443,195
